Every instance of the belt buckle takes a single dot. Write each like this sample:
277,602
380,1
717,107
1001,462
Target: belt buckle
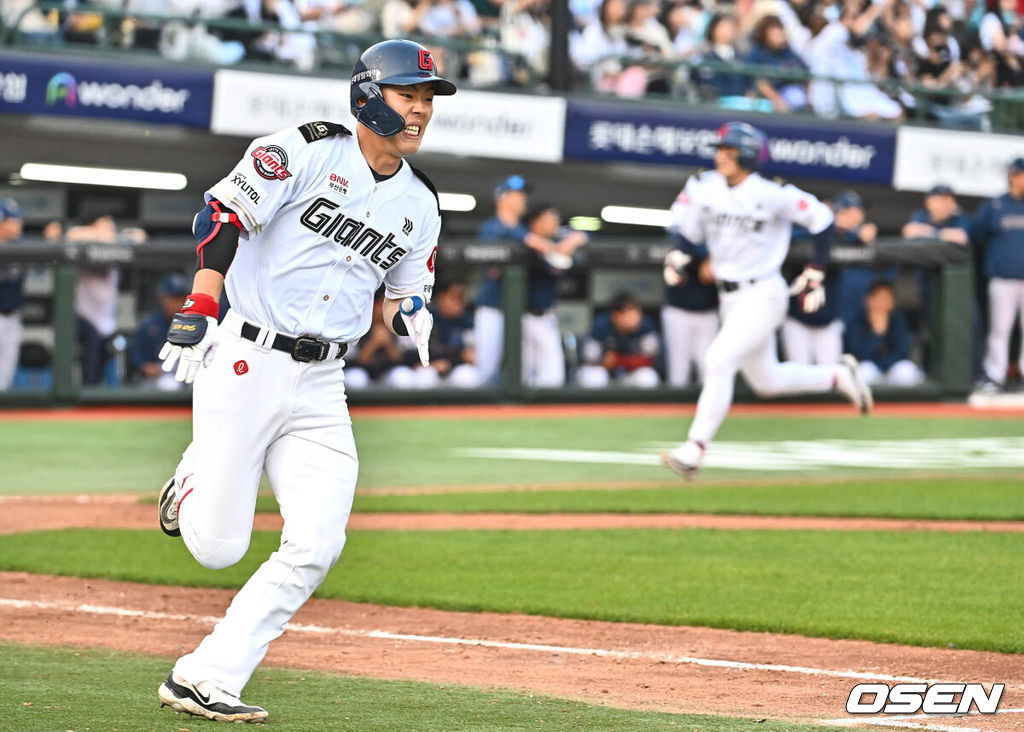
308,349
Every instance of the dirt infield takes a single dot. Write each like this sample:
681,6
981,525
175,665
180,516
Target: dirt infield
27,513
676,669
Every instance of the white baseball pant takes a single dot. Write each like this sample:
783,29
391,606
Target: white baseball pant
543,359
822,344
257,409
746,343
901,373
1005,304
10,347
488,337
688,335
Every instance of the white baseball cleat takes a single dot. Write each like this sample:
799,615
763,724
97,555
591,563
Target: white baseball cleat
685,459
206,700
852,386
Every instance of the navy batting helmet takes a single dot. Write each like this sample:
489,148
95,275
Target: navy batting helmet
396,62
750,143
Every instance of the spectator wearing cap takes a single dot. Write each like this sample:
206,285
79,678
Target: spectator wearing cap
511,198
940,218
11,298
151,332
622,347
998,228
543,361
689,318
880,340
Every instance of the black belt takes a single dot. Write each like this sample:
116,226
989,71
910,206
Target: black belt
727,286
303,348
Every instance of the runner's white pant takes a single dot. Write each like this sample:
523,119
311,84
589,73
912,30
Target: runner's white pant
813,343
290,418
688,335
746,343
10,347
1005,303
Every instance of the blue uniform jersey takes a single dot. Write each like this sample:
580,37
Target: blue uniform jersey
956,221
448,337
495,230
854,282
830,310
644,344
881,349
998,226
693,294
11,298
149,338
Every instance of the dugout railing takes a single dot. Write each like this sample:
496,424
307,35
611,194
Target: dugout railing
947,323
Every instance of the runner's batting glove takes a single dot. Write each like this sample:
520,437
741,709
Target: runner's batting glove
191,338
809,288
673,273
418,322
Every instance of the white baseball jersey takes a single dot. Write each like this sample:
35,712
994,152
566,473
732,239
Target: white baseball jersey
746,227
320,234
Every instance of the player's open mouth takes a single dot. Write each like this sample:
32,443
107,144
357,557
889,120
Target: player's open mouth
413,131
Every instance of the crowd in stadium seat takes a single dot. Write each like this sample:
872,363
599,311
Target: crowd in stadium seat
899,57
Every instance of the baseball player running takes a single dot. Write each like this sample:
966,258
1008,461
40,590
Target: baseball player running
745,221
301,233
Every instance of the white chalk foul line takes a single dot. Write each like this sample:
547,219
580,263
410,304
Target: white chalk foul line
447,640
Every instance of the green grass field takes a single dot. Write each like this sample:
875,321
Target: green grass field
882,586
137,456
46,689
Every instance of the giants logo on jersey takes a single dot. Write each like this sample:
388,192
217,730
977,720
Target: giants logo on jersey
271,162
355,235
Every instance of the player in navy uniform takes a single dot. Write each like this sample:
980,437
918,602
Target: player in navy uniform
689,318
998,227
623,346
940,218
151,332
11,298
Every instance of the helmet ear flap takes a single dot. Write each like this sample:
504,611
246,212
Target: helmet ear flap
369,108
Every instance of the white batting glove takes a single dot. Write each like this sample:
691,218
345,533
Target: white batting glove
673,273
809,289
190,344
419,322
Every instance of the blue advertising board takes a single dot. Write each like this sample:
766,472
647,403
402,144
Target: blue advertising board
35,84
798,149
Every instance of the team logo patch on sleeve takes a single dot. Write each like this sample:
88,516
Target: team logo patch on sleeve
271,162
407,227
432,260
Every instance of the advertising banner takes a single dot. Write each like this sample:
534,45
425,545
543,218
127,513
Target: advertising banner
33,84
972,163
471,123
826,151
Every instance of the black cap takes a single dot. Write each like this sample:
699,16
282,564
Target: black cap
173,284
940,189
1015,166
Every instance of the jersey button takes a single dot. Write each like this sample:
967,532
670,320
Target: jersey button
348,259
326,298
367,214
